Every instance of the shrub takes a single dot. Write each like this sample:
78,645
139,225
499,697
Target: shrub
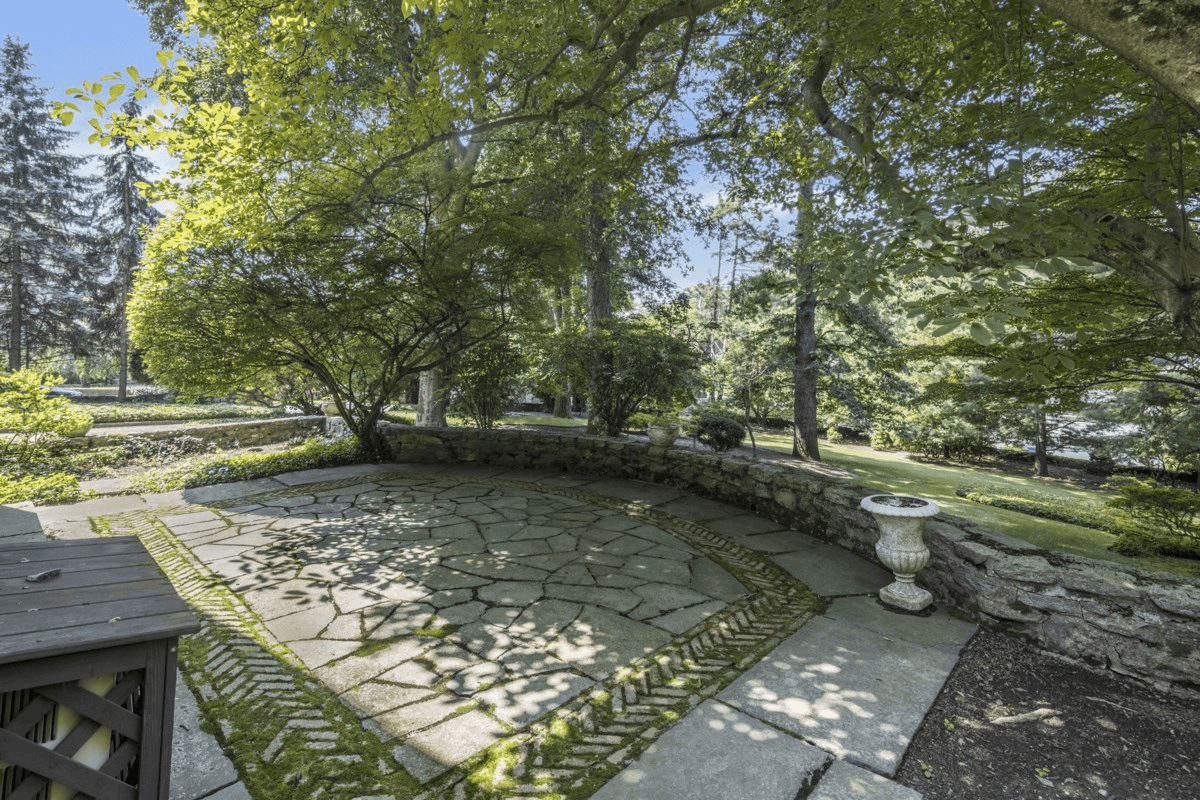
42,489
1140,542
1134,538
29,416
1173,511
886,439
718,429
215,469
176,447
639,421
1095,517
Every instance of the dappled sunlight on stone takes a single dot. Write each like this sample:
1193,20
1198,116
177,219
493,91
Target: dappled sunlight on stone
446,612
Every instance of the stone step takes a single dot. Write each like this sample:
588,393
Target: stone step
718,752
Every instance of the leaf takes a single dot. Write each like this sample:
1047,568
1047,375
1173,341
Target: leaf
981,334
133,73
944,329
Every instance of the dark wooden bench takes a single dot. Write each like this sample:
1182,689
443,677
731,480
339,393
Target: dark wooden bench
87,669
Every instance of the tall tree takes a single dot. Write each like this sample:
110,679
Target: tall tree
40,195
123,219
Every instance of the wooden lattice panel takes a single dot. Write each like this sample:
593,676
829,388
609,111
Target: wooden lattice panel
87,671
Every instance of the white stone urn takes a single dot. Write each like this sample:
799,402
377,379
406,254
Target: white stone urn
663,435
901,546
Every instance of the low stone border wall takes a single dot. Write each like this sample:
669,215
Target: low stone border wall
1133,622
224,434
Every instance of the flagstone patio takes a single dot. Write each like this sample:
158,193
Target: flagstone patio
461,615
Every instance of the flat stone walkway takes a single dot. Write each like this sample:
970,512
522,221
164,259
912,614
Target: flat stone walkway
513,633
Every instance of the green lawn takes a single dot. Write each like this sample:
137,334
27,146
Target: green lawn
894,472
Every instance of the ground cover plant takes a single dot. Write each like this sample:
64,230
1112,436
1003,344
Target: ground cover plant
228,468
39,463
896,472
178,412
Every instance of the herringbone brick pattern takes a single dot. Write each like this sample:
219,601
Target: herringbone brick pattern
278,722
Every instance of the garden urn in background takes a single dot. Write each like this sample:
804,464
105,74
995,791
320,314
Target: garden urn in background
901,546
663,434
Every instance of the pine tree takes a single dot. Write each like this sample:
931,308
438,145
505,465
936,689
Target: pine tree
122,215
40,192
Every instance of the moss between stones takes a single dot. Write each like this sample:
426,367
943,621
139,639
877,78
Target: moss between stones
246,733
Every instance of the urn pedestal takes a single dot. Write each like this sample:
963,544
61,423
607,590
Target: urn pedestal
901,546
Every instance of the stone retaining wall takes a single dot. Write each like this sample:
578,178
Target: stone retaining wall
224,435
1133,622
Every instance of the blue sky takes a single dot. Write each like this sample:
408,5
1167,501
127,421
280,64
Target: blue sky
72,41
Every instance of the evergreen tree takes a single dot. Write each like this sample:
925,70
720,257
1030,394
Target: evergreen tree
122,215
40,188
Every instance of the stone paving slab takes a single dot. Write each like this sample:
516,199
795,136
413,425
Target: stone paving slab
198,765
227,491
854,692
337,473
827,569
236,792
719,753
700,509
431,752
941,629
844,781
648,494
348,567
17,522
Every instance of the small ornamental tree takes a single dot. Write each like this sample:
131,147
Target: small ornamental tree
29,414
629,362
486,380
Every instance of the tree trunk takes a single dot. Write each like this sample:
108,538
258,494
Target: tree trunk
804,375
431,405
123,355
804,368
128,263
1166,53
599,298
1041,464
562,400
14,327
370,439
562,404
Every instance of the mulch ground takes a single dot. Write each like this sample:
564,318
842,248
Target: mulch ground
992,735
